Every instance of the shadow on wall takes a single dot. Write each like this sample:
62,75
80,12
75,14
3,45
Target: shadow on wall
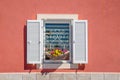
80,67
31,67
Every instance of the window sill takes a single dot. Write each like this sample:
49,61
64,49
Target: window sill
57,66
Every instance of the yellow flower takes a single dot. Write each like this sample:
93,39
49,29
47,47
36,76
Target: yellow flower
59,54
55,55
57,51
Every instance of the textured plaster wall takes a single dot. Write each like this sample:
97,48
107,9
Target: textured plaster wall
104,31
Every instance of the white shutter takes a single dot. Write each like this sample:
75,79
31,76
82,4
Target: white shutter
80,44
34,42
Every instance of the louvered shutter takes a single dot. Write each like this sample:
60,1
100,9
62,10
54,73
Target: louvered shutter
80,50
34,41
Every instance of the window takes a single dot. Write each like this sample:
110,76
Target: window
57,40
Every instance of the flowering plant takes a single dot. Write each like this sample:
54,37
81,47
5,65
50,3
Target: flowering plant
57,53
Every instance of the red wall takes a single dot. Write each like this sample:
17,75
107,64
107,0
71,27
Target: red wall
104,30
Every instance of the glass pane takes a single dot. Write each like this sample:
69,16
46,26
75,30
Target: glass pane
57,41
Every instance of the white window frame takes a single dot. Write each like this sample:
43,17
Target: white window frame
70,39
57,16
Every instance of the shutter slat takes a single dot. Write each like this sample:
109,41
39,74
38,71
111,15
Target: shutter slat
80,52
33,42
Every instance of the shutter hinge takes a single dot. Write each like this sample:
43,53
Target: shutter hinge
39,42
29,42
